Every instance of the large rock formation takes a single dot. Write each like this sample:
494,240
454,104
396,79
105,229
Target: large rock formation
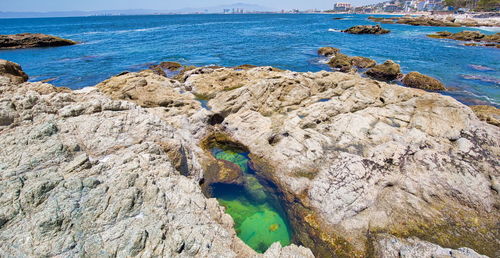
420,81
31,40
364,167
366,29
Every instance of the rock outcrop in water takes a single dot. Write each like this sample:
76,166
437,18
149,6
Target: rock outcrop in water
32,40
388,71
366,29
420,81
492,40
364,167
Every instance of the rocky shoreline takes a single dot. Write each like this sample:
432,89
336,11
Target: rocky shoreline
366,167
438,21
32,40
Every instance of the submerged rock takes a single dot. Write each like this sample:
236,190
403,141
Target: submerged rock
111,174
32,40
366,29
387,71
12,71
420,81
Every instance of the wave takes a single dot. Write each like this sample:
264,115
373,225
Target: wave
334,30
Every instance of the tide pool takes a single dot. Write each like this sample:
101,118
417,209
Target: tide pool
259,219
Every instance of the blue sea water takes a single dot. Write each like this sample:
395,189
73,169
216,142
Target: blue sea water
110,45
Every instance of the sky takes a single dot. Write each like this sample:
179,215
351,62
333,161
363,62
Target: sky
93,5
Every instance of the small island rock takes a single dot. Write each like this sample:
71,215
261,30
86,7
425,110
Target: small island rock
366,29
32,40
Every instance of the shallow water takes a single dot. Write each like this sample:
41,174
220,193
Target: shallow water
259,219
110,45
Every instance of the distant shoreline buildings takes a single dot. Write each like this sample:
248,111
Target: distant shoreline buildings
407,6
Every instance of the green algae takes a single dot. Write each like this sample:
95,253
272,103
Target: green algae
258,217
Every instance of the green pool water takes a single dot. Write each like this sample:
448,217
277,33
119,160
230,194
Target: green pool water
258,217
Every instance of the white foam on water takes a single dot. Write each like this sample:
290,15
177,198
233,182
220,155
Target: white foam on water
334,30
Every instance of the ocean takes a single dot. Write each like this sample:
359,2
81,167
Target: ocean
111,45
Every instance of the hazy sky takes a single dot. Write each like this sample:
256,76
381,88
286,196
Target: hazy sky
91,5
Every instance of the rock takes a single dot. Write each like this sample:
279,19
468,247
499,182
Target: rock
488,114
363,62
387,71
148,89
341,62
492,40
12,71
389,246
366,29
111,174
32,40
328,51
420,81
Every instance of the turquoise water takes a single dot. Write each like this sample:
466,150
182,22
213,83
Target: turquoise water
258,217
111,45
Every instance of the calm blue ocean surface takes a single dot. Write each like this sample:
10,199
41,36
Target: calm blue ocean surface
110,45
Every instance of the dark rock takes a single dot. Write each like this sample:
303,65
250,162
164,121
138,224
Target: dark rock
366,29
467,35
328,51
32,40
387,71
420,81
12,71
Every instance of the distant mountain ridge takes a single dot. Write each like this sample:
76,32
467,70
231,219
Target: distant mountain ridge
211,9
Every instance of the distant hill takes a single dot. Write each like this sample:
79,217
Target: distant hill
210,9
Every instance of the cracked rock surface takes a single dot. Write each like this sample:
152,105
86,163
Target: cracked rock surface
113,171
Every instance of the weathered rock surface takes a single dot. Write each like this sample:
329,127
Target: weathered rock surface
31,40
388,71
104,172
366,29
488,114
12,71
345,63
420,81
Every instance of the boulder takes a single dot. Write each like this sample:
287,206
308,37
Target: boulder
489,114
32,40
328,51
420,81
363,62
366,29
12,71
387,71
341,62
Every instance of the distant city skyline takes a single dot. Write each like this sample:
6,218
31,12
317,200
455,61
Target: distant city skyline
93,5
